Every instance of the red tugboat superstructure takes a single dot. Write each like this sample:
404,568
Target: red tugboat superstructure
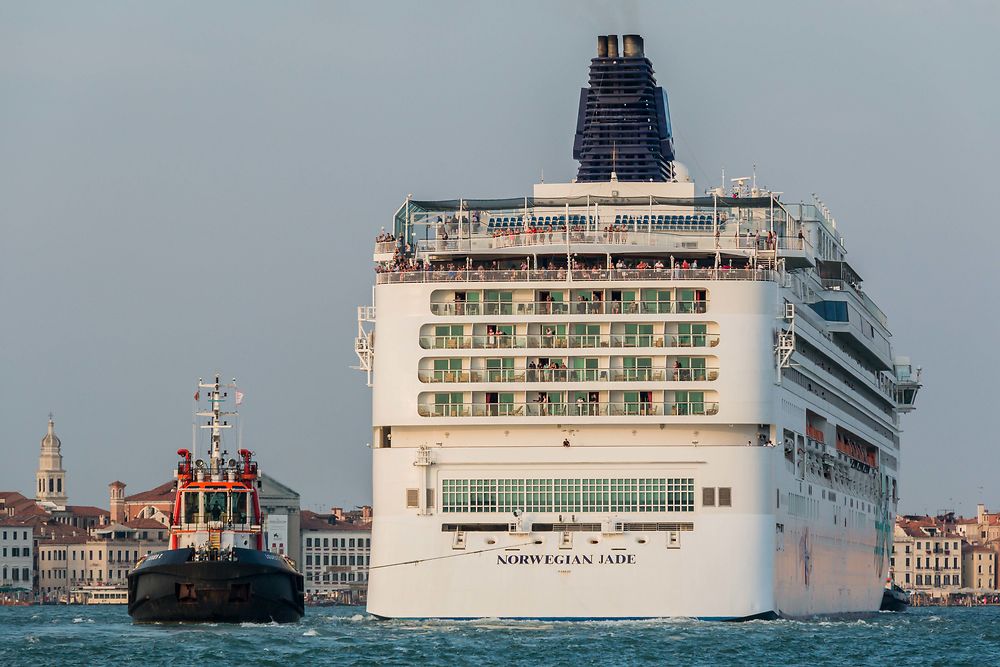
217,568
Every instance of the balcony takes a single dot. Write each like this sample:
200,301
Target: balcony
576,275
584,409
632,239
501,341
463,308
570,375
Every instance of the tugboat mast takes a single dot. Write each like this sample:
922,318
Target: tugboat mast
217,394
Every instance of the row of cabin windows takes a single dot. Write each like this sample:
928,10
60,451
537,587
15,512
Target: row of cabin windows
501,302
584,333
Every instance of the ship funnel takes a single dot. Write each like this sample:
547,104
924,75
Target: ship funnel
612,46
602,46
632,45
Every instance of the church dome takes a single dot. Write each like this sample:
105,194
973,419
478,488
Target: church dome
51,440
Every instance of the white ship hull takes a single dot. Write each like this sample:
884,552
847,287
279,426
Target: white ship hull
732,565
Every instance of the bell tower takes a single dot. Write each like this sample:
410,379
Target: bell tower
50,480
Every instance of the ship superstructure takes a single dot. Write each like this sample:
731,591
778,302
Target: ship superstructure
620,398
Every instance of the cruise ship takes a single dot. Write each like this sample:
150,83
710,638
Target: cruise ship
621,398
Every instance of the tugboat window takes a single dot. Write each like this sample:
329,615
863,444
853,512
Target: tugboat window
240,507
190,507
215,505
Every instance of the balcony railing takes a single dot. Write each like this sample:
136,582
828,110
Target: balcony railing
569,308
576,275
634,238
571,375
582,409
501,341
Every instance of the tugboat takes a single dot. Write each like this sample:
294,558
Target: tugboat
894,598
218,567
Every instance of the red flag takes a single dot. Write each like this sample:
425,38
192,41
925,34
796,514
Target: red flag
197,395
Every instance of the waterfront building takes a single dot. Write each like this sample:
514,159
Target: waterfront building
583,395
336,551
16,553
979,567
927,555
69,558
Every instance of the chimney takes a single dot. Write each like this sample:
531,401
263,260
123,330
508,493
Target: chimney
602,46
980,513
612,46
632,46
117,505
366,514
338,513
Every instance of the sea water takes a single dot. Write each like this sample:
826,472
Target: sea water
104,635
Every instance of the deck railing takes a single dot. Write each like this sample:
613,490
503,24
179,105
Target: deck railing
568,307
603,374
551,341
578,409
576,275
663,241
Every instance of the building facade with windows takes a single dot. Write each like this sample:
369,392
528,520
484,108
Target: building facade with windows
16,554
979,567
927,556
336,553
69,558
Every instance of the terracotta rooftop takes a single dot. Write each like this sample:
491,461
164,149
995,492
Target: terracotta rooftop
143,523
15,504
162,493
86,510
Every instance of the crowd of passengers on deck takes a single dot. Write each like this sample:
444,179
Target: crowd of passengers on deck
583,268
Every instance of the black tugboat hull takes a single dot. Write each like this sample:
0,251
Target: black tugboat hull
254,587
894,599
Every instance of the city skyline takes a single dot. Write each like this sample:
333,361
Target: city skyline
194,193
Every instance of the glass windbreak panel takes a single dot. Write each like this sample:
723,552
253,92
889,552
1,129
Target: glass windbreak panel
585,369
691,335
586,335
448,336
685,301
499,302
638,369
448,404
656,301
447,370
215,505
472,306
500,369
553,335
638,335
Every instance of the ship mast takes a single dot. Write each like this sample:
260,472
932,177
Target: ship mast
217,394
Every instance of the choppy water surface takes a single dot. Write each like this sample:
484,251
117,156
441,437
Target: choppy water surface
68,636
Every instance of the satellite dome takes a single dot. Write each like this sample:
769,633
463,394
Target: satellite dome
681,173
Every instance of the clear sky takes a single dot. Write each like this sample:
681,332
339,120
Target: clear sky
188,187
